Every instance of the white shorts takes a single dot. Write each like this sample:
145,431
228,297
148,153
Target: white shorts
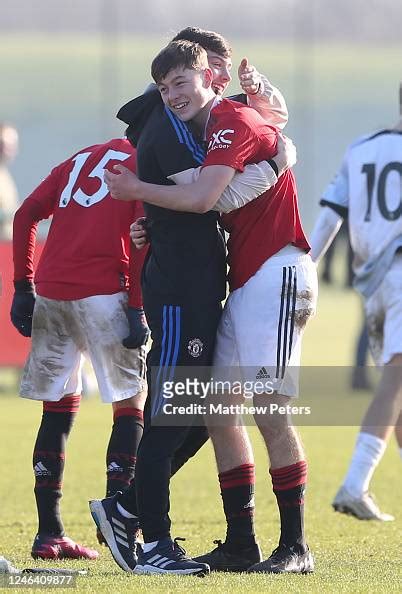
384,315
260,332
63,331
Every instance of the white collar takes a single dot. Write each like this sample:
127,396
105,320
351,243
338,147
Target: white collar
214,103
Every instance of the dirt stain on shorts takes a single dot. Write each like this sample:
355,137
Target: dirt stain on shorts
304,307
375,329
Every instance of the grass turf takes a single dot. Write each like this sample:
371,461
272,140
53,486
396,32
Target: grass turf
351,556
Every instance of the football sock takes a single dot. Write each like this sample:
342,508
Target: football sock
289,484
121,454
48,461
400,452
368,452
237,491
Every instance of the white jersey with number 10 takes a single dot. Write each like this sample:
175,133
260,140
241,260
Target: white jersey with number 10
368,190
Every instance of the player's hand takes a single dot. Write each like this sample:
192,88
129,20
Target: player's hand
22,307
138,233
139,331
123,185
286,156
249,77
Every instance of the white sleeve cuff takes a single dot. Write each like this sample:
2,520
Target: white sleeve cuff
270,104
325,229
245,187
185,177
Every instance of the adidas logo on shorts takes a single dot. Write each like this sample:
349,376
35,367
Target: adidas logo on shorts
262,374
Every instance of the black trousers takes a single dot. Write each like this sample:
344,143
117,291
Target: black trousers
182,336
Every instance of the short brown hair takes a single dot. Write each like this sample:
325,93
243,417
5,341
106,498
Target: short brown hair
209,40
177,54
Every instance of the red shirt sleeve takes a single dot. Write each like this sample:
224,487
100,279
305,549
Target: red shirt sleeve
137,258
234,141
39,205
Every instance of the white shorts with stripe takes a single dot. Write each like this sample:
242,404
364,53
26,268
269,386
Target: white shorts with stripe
63,331
260,332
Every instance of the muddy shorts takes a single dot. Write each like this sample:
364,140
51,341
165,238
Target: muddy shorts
64,331
260,332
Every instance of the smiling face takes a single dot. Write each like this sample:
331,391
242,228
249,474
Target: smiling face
220,67
186,91
218,50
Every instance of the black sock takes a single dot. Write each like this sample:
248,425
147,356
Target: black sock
122,449
289,484
237,491
48,461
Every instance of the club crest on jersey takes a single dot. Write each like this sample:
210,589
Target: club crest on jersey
220,140
195,347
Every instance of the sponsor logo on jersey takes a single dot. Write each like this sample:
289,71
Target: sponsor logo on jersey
195,347
220,140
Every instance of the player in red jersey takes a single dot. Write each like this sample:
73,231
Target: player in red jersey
86,299
273,293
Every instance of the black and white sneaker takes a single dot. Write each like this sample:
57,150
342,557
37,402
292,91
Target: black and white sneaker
286,559
225,558
170,558
119,532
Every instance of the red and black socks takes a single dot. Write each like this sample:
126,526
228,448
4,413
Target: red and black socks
128,426
289,484
237,491
48,461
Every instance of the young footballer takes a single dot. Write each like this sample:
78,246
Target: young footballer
183,284
84,297
273,293
367,192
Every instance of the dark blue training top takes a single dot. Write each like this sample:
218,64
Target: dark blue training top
186,260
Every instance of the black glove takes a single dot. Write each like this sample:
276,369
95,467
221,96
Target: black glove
22,306
139,331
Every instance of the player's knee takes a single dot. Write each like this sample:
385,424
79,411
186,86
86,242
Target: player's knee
233,434
273,428
389,388
137,401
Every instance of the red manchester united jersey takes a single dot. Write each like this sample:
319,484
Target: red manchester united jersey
87,251
237,136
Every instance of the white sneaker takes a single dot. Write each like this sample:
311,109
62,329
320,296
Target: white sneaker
7,567
363,508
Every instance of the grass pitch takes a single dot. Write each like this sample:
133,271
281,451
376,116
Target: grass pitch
351,556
